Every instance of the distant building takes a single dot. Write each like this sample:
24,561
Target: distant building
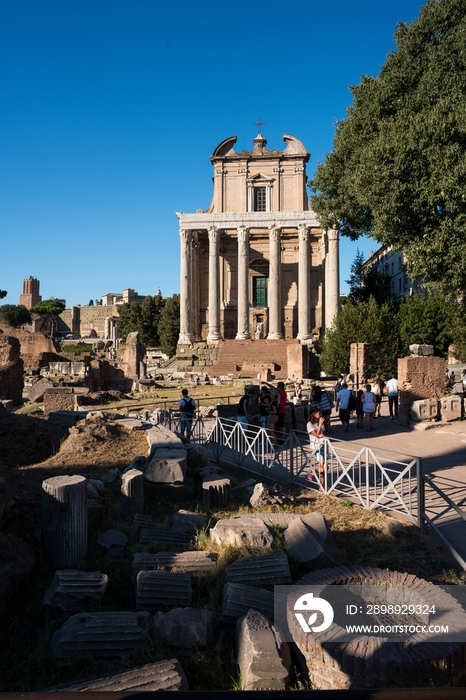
30,296
392,265
128,296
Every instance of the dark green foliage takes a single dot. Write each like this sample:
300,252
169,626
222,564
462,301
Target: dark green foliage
49,307
14,315
398,168
426,319
169,326
151,311
3,293
91,302
363,322
129,319
364,284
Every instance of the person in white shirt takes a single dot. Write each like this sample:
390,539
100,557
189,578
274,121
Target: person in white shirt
316,432
392,392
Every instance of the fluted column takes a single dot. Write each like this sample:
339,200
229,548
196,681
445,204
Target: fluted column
332,277
274,292
243,283
214,283
304,264
185,288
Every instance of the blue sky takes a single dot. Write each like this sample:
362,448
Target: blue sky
110,109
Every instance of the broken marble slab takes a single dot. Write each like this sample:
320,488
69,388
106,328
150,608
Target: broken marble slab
268,570
264,659
101,634
184,627
237,599
73,590
162,590
181,561
187,521
240,531
176,540
309,537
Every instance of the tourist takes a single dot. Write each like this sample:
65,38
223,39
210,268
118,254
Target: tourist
463,381
243,407
187,408
272,417
264,402
343,399
197,380
280,429
377,397
368,405
392,392
316,432
297,394
324,403
359,409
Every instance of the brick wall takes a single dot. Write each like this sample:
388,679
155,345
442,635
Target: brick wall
419,377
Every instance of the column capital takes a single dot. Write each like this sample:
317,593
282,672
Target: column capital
185,235
243,233
274,233
213,233
333,234
303,232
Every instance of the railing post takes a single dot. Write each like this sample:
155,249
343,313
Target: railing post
291,456
421,496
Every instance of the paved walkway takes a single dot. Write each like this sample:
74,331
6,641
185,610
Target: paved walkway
443,453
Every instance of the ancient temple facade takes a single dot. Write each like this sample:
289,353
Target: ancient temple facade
256,264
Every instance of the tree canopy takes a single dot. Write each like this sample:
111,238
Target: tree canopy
398,168
14,315
49,307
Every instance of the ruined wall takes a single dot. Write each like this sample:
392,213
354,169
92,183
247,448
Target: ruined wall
84,319
298,361
11,370
36,349
419,377
60,399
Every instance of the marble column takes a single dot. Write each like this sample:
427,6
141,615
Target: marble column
332,277
304,266
214,284
274,291
185,288
243,283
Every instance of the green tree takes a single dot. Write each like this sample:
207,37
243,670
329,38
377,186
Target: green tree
398,168
129,319
151,310
427,319
91,302
48,309
364,284
363,322
169,326
14,316
3,293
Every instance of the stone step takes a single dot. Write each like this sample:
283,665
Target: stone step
73,590
183,561
237,599
161,590
176,540
164,675
102,635
268,570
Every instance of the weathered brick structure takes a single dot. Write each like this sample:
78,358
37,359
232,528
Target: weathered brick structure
419,377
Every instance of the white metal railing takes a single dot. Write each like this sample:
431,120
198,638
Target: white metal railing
373,478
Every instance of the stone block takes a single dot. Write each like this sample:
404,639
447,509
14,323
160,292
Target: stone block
237,599
309,537
240,531
264,495
113,542
102,635
7,404
36,391
188,628
162,590
132,489
167,466
427,409
65,520
159,436
140,520
216,492
197,457
268,570
186,562
163,675
11,370
130,424
422,350
73,590
186,521
176,540
450,408
264,659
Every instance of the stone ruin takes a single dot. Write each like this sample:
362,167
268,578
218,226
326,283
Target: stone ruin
11,370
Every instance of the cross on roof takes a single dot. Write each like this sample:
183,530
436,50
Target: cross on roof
259,124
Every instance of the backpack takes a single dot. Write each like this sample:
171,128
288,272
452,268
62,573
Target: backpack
352,402
189,406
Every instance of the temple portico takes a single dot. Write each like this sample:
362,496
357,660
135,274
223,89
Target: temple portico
257,263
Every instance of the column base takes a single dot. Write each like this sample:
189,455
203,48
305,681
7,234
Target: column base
185,339
213,337
304,336
275,336
243,336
